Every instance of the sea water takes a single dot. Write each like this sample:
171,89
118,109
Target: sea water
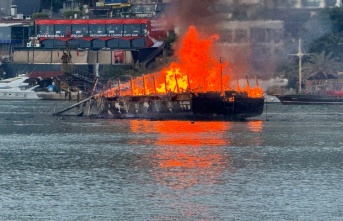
285,165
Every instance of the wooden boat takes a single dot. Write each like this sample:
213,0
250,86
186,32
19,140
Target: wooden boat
230,105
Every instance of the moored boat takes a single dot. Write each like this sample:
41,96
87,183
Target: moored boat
315,90
311,99
17,89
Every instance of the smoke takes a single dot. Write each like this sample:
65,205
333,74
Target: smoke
317,26
208,17
252,58
199,13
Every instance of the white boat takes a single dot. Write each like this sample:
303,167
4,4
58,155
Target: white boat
271,99
17,89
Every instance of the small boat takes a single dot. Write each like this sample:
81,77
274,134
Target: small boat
326,91
17,89
310,99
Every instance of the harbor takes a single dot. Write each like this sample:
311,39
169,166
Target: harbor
84,167
171,110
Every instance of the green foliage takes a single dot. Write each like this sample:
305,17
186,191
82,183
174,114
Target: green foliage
322,63
68,14
170,39
315,66
39,15
332,41
326,54
335,15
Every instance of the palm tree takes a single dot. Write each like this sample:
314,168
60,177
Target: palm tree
321,65
314,66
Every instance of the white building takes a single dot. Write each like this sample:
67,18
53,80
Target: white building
257,43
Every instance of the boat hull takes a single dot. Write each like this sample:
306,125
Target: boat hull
310,99
18,95
58,96
183,106
17,89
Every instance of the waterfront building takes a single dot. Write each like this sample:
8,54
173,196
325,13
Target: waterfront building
260,28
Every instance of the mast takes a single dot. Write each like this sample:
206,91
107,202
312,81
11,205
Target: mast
221,74
300,54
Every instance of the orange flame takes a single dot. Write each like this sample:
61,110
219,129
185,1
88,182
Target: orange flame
196,70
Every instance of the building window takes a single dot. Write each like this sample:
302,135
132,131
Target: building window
312,3
114,30
258,35
241,36
277,35
62,29
97,29
226,36
45,29
79,29
261,53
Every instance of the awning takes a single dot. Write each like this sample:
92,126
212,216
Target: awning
45,74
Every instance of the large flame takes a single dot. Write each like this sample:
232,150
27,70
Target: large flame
196,70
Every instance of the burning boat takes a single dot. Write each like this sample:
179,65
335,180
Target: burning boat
229,105
194,88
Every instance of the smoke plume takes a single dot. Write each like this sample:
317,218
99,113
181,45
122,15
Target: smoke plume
208,17
199,13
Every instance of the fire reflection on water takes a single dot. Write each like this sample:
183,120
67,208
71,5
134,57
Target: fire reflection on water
186,153
255,126
183,156
183,133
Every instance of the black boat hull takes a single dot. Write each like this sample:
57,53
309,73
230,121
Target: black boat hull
310,99
184,106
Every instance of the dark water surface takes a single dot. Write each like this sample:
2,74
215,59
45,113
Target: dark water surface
289,167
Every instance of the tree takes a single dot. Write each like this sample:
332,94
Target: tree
332,41
170,38
321,65
335,15
326,54
68,14
39,16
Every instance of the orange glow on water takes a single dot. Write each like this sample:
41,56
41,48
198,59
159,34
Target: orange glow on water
186,153
196,70
183,154
187,167
181,133
255,126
